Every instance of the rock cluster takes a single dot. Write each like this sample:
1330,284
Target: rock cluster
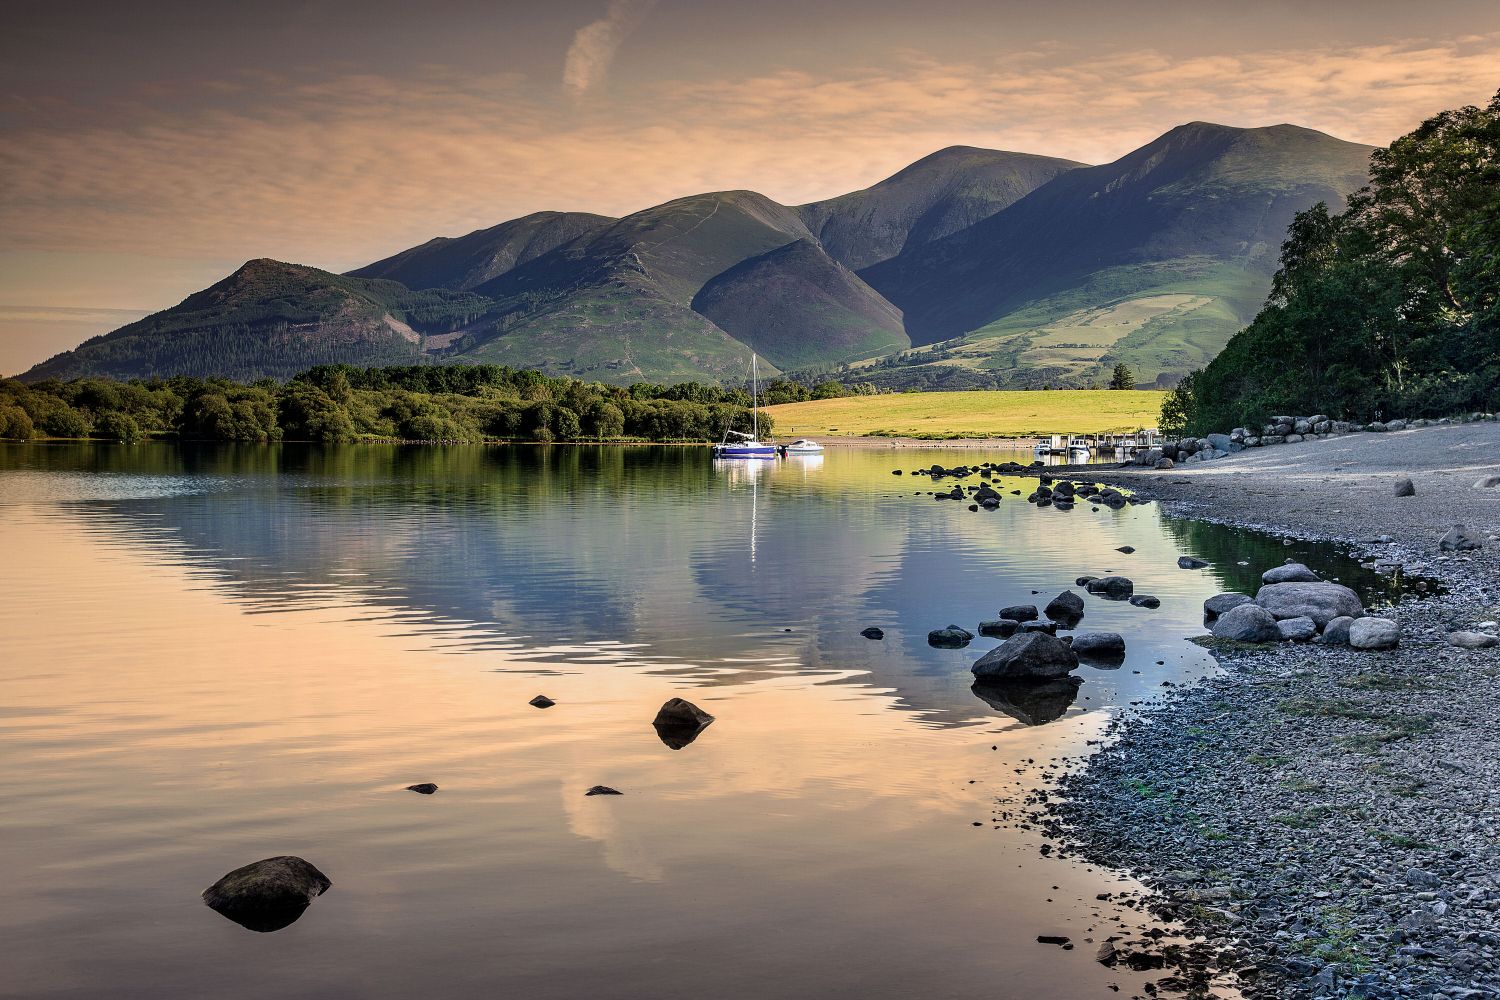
1280,430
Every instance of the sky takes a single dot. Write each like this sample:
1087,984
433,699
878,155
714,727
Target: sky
149,148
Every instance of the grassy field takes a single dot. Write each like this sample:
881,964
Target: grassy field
970,414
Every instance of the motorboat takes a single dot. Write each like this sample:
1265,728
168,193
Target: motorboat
802,446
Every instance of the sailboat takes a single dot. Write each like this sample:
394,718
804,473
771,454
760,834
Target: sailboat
749,445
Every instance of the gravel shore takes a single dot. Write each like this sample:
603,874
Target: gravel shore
1325,817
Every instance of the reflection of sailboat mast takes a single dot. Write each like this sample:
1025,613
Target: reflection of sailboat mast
754,501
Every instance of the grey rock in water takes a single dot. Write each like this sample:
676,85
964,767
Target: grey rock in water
1404,488
1188,562
1020,612
1000,628
1336,632
1322,602
1460,539
1473,640
1127,549
1034,655
1247,623
681,712
1220,603
1293,572
1099,646
603,790
1146,601
1116,588
872,633
1065,607
1039,626
952,637
1297,629
541,701
1374,633
267,895
1084,581
422,788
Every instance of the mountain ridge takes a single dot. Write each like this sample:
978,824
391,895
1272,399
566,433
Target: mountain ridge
1002,268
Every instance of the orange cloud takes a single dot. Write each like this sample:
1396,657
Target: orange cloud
338,172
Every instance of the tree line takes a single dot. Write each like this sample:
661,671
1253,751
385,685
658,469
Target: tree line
342,403
1388,309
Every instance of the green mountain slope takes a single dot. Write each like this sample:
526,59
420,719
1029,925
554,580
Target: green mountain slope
1155,259
937,196
618,303
272,319
465,262
798,307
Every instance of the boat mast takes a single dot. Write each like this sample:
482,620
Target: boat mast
754,398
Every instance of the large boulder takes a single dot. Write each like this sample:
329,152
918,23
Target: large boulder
1066,607
1404,488
1020,612
267,895
1322,602
1374,633
1460,539
952,637
1473,640
1297,629
1292,572
1220,603
1247,623
681,712
1106,646
1336,632
1116,588
1034,655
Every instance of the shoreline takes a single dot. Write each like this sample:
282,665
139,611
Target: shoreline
1322,815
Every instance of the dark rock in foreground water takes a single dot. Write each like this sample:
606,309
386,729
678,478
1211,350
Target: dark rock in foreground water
1146,601
603,790
267,895
1188,562
1104,646
1116,588
1065,607
1027,655
1247,623
1020,612
952,637
1031,702
541,701
1000,628
681,712
872,633
422,788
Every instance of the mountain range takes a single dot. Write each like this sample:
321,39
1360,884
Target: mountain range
971,267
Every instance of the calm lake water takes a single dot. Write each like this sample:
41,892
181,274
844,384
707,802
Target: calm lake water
213,656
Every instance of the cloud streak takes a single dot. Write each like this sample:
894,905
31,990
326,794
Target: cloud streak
594,45
342,171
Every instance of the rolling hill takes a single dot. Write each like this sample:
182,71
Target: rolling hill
1004,269
1153,259
273,319
937,196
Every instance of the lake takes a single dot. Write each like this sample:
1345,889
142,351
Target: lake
218,655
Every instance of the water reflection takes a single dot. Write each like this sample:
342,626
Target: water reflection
1032,703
